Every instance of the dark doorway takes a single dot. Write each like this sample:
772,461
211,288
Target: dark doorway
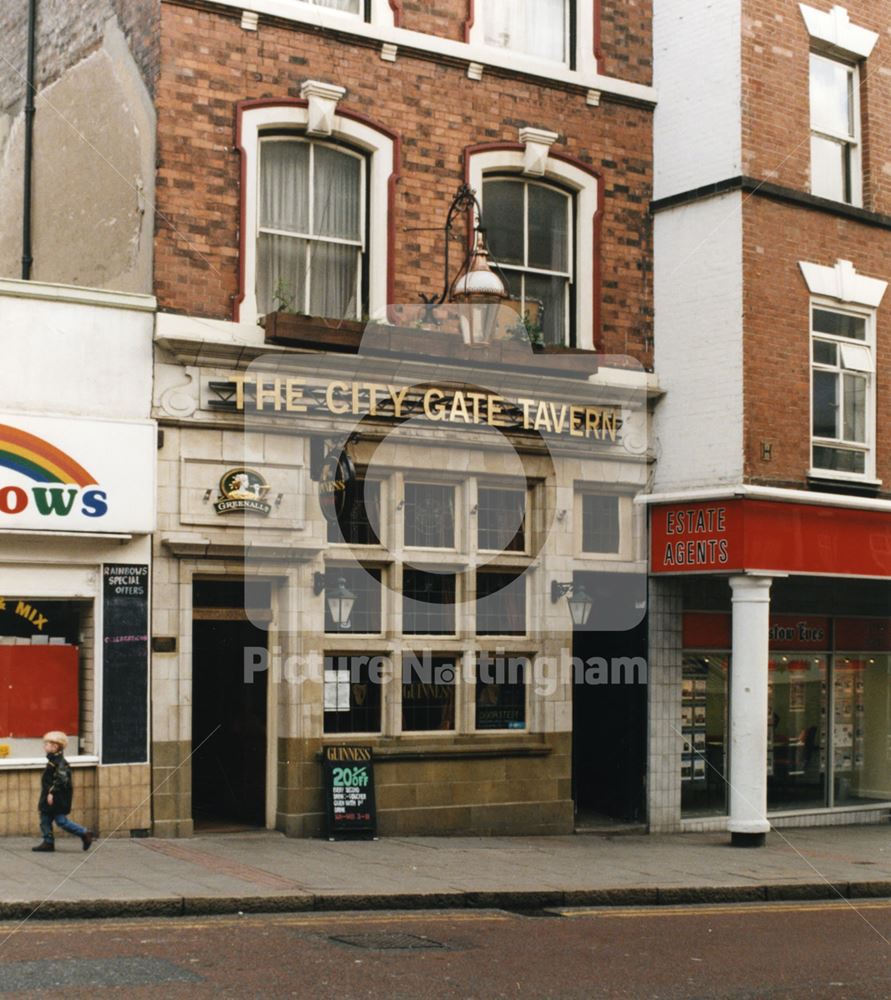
228,717
609,708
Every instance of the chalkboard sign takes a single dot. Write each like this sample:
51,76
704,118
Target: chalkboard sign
349,792
124,664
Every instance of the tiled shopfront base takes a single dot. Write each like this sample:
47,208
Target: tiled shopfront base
110,800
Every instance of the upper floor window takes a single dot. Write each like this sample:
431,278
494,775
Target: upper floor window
534,27
835,130
529,225
430,515
311,228
600,523
350,6
842,377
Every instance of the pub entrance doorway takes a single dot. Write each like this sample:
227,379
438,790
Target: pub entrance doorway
609,724
229,716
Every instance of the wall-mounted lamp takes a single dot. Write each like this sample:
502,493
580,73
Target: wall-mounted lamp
579,602
340,600
478,284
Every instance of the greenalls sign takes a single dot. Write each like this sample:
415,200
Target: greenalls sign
243,490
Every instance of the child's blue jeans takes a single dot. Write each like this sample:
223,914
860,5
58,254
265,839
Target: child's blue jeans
46,826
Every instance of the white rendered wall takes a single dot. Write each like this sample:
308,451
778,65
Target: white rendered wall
75,351
698,425
698,81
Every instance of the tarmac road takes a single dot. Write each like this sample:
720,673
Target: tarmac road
771,951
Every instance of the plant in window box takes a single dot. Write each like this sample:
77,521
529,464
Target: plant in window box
527,330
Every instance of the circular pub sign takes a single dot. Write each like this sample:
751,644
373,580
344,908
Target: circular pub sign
336,485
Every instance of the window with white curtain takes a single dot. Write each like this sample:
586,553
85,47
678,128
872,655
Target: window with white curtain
835,130
536,27
529,228
350,6
311,232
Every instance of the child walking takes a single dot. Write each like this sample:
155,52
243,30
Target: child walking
55,795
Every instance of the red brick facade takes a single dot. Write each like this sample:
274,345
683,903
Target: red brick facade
777,235
209,64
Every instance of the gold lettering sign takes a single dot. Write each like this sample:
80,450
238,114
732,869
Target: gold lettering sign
439,404
348,753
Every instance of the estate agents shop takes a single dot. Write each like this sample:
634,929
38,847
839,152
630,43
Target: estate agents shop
77,501
781,708
377,552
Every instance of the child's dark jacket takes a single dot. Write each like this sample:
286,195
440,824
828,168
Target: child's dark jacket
56,779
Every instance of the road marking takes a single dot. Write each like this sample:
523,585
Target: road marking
210,922
695,909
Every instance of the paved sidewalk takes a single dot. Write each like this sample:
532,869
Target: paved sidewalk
265,871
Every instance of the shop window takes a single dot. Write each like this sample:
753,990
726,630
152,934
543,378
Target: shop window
500,691
501,603
861,728
47,677
797,708
360,524
428,692
529,226
600,523
842,378
365,583
704,733
428,603
429,515
835,130
311,233
501,519
352,697
538,28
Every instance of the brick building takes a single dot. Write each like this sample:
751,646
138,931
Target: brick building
769,517
306,157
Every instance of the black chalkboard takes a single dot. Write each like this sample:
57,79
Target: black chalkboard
124,663
349,792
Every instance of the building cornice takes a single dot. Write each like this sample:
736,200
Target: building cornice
775,192
75,294
744,491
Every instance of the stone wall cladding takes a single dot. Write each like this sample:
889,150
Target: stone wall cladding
66,34
777,331
210,63
776,134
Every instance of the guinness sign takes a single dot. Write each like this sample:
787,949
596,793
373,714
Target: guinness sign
337,481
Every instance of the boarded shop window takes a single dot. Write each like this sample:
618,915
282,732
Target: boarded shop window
353,693
428,692
500,692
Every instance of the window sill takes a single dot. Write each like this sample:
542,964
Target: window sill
826,476
345,336
35,763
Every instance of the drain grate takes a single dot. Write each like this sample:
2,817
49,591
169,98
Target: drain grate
384,941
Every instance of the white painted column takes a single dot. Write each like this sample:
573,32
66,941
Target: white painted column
748,710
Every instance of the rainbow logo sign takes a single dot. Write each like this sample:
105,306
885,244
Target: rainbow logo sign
42,462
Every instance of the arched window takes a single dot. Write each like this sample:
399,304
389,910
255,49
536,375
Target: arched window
529,227
311,228
316,230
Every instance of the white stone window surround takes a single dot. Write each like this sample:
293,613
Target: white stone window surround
587,189
256,118
384,27
841,289
832,31
580,38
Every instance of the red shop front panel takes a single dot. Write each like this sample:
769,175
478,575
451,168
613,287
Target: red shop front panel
38,690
